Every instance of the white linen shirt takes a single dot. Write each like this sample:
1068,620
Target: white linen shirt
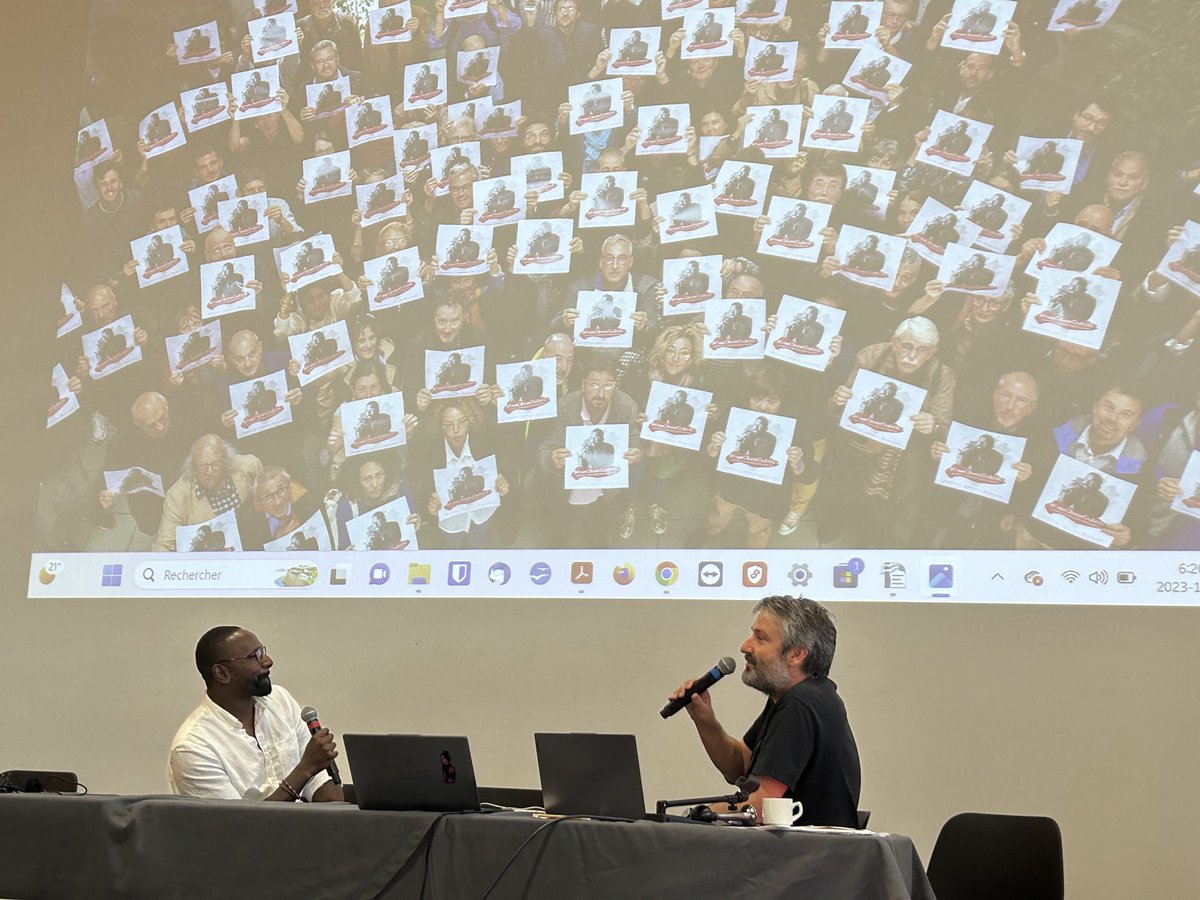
213,757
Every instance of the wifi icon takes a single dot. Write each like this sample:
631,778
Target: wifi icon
1071,576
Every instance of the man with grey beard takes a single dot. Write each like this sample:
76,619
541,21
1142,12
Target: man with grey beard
801,745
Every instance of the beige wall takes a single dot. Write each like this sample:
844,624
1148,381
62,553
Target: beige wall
1087,715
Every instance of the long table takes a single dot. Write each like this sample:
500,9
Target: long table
104,846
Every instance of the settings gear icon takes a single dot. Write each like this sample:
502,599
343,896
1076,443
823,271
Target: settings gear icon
800,575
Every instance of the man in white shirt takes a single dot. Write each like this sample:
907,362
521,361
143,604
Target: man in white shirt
246,740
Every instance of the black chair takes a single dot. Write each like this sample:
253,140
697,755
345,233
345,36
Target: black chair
983,856
864,816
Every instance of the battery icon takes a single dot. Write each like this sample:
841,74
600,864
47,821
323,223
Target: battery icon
1126,578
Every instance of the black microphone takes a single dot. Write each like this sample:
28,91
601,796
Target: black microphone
724,667
309,715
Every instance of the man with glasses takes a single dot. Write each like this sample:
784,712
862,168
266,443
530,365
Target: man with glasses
582,517
246,740
215,479
554,56
614,273
281,505
324,25
1089,123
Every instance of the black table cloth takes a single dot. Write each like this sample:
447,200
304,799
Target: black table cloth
101,846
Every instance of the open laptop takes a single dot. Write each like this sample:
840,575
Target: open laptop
412,771
590,775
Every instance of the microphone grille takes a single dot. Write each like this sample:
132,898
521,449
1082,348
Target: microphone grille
726,665
309,714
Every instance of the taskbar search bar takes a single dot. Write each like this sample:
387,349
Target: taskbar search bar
224,575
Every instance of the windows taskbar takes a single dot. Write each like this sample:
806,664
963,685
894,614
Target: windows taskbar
1141,578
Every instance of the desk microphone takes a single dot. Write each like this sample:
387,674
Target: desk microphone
309,715
724,667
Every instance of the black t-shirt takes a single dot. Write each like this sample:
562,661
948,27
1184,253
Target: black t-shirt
804,740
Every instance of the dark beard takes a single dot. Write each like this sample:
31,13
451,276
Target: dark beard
262,685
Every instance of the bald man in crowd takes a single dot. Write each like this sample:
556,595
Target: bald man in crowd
150,442
969,521
111,395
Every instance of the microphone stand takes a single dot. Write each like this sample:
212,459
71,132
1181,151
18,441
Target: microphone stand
745,787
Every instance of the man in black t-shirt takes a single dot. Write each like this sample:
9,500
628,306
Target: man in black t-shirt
801,745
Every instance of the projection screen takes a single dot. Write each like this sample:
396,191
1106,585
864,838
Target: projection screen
883,300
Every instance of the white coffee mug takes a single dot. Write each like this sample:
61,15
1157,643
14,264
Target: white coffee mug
781,810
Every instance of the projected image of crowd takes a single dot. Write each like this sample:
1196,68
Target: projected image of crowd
676,273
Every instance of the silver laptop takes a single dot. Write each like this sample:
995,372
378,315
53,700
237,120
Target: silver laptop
590,775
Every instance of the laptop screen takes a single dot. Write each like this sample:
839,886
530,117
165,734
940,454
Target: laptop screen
590,774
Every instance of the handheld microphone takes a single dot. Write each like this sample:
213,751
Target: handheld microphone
309,715
724,666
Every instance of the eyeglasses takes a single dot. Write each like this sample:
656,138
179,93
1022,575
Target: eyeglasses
600,386
608,259
256,655
673,353
277,494
991,303
210,466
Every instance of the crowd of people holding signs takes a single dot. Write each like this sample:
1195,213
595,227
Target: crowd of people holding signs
468,273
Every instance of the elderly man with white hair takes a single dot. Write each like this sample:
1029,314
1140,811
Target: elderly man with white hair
868,483
215,479
614,272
